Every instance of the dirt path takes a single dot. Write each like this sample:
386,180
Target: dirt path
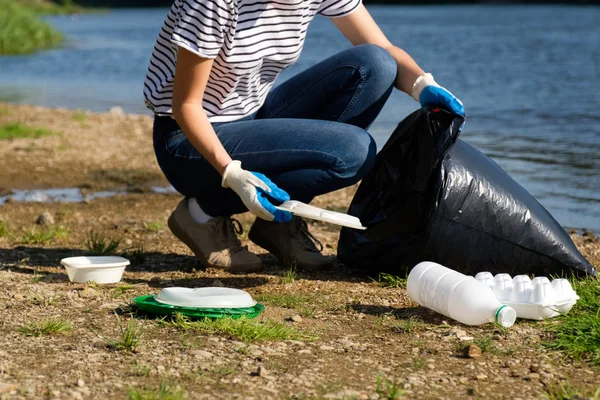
365,341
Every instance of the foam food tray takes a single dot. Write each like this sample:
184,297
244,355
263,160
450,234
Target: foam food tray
307,211
537,299
206,297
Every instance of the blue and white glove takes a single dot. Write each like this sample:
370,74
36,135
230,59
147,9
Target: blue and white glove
256,190
426,91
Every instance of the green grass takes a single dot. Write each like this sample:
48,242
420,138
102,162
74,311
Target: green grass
565,391
387,390
289,275
390,281
4,230
37,235
20,131
578,332
120,291
98,244
154,226
129,336
46,327
79,116
244,329
285,300
408,325
164,392
23,32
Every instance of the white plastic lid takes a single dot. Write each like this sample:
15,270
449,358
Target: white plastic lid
307,211
206,297
506,316
95,262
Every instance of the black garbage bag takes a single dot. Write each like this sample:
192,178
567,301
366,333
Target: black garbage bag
432,197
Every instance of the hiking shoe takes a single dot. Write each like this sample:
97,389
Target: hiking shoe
214,243
290,242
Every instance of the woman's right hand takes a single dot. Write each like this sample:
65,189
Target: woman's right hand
256,192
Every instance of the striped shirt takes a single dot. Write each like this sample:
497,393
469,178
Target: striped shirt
251,42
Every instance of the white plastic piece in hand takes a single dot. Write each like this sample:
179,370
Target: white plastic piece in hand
536,299
99,269
206,297
307,211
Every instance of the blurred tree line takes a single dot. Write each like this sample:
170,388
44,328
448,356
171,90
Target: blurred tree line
164,3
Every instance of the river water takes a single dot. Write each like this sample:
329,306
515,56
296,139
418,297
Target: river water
529,77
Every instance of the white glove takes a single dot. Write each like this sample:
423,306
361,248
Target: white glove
426,91
255,191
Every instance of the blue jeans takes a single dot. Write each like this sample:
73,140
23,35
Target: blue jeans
309,137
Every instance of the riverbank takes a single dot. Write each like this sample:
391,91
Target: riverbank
55,336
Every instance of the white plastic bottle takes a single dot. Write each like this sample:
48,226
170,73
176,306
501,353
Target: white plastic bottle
456,295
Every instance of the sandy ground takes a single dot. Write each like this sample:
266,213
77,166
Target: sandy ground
361,327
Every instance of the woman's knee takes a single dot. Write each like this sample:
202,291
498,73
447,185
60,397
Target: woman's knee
357,153
377,63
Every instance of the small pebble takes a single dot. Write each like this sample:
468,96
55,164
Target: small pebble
45,219
472,351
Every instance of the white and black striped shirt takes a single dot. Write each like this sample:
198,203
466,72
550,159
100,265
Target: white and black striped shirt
251,42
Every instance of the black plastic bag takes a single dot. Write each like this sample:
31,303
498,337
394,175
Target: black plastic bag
432,197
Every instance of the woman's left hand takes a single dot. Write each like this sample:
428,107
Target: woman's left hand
427,92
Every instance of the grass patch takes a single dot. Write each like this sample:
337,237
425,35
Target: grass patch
4,230
164,392
4,111
98,244
285,300
129,337
387,390
19,131
22,32
43,235
79,116
577,333
244,329
562,391
390,281
289,275
120,291
154,226
408,325
46,327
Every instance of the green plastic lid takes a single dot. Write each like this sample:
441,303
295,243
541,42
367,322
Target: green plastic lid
149,304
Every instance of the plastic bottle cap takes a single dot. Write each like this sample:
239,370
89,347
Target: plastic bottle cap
506,316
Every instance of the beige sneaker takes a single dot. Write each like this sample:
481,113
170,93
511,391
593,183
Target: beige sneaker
290,242
214,243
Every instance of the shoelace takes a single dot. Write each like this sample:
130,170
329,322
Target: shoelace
302,235
230,228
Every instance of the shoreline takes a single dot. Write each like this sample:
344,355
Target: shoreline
366,323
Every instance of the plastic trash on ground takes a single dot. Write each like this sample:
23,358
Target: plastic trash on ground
98,269
433,197
458,296
333,217
208,302
537,299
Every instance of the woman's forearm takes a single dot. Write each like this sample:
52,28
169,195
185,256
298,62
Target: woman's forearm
194,122
408,69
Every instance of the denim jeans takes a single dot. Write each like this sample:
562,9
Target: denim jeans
309,137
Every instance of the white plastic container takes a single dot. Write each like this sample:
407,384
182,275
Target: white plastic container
99,269
206,297
333,217
457,296
531,299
